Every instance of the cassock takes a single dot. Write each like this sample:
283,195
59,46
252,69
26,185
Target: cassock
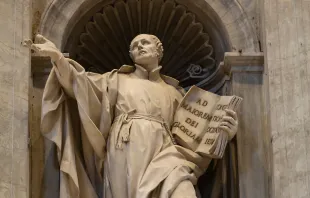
112,133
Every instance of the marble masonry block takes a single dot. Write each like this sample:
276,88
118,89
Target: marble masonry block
15,22
6,189
5,165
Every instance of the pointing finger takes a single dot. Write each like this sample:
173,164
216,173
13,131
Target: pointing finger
27,43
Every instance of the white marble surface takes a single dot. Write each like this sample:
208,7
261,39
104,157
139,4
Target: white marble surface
14,81
240,19
286,46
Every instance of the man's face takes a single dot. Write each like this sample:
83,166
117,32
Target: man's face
144,50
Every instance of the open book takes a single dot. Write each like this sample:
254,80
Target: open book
197,119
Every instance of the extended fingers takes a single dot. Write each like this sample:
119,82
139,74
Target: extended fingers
232,113
36,47
40,49
228,124
225,128
27,43
230,120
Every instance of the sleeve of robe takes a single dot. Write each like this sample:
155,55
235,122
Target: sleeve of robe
76,116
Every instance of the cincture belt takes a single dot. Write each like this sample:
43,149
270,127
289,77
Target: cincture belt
124,118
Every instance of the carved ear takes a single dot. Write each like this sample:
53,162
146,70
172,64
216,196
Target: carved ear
160,51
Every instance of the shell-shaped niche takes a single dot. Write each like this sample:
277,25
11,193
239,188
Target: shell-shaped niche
104,43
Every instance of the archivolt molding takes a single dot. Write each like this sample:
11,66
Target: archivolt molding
224,27
59,17
240,30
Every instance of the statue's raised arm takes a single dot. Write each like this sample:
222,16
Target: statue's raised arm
77,128
65,69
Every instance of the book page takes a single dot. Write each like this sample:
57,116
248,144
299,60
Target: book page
197,119
214,141
192,116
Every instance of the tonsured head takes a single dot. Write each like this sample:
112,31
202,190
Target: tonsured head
146,49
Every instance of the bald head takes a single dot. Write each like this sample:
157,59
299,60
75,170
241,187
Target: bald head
147,43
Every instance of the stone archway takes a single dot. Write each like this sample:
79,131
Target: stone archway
224,23
60,16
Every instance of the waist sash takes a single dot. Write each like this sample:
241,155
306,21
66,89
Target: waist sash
124,118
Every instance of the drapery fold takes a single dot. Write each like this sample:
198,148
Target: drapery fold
77,114
86,141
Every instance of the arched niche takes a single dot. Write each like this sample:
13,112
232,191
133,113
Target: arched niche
225,23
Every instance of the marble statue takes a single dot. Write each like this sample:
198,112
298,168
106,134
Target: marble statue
112,130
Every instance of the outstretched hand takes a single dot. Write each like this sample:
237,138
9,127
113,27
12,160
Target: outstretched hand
229,123
43,47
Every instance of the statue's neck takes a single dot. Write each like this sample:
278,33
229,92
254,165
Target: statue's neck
150,67
154,74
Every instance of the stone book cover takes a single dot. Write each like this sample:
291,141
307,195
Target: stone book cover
197,119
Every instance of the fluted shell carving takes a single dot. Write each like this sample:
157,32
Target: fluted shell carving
104,43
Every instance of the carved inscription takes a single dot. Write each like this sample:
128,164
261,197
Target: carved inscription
221,107
197,120
197,112
191,122
194,123
200,114
186,131
209,141
212,130
216,118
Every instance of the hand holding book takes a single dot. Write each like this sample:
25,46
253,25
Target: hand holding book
204,122
229,123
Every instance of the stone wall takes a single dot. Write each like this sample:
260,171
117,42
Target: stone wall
15,22
287,70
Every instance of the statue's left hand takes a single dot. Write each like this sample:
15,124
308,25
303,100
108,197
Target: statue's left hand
229,123
43,47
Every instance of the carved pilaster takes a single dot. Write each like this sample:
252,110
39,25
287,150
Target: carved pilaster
253,147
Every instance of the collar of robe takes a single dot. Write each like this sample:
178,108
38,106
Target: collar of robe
153,75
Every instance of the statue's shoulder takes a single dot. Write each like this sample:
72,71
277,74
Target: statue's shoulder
170,81
125,69
174,83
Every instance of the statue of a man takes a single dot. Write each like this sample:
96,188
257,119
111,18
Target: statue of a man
121,146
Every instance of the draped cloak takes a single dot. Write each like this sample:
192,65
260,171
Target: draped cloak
81,128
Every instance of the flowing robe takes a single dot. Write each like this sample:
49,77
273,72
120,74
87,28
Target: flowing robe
122,127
